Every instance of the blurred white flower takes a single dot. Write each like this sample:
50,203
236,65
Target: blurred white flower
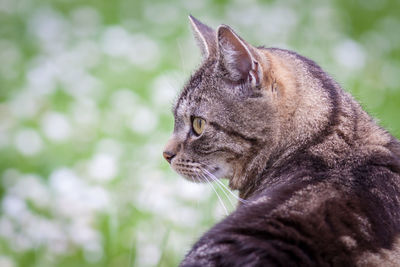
42,231
110,146
10,55
112,122
148,245
97,198
165,88
25,229
6,262
74,197
390,74
25,104
124,101
146,54
170,12
189,191
85,21
78,83
28,142
184,216
144,120
21,242
152,152
56,126
65,181
139,49
85,112
350,54
51,29
93,251
10,177
116,41
89,53
7,230
38,193
103,167
7,122
42,76
154,194
82,234
376,41
147,254
274,21
13,206
219,211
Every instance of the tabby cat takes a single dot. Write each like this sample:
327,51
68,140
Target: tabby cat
319,179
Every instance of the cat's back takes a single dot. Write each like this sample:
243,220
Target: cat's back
345,216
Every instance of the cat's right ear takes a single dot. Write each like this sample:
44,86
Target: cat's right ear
205,36
237,58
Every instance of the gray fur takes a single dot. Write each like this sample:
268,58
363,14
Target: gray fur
299,149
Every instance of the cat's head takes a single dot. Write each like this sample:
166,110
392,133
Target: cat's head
227,111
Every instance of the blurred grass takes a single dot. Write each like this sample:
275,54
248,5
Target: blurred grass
85,95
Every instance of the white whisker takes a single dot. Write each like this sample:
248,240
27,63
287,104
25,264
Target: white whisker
220,200
221,183
222,189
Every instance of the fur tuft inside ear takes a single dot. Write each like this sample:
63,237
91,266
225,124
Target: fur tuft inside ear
237,58
205,37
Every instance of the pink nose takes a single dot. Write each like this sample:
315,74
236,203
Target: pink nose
168,156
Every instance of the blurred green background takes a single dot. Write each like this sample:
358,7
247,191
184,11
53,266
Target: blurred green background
86,89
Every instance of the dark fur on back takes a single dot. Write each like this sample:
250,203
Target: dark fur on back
357,215
321,180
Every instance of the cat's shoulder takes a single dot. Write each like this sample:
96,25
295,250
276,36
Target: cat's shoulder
304,223
264,229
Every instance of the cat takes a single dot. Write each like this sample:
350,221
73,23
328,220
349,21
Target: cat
318,178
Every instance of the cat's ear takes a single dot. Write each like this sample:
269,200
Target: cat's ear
237,58
205,36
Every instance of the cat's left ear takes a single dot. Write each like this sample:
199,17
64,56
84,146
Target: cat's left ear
237,58
205,37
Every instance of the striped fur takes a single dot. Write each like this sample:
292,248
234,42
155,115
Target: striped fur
321,178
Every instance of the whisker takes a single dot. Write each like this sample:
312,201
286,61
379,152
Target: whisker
222,189
220,200
197,180
222,184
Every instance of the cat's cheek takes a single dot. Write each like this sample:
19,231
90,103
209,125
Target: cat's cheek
221,173
223,170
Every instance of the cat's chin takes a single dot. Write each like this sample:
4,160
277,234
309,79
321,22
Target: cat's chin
209,174
203,176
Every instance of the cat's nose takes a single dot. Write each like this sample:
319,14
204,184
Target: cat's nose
168,156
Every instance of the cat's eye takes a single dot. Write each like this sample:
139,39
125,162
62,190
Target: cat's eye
198,125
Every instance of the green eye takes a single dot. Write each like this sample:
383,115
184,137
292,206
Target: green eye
198,125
